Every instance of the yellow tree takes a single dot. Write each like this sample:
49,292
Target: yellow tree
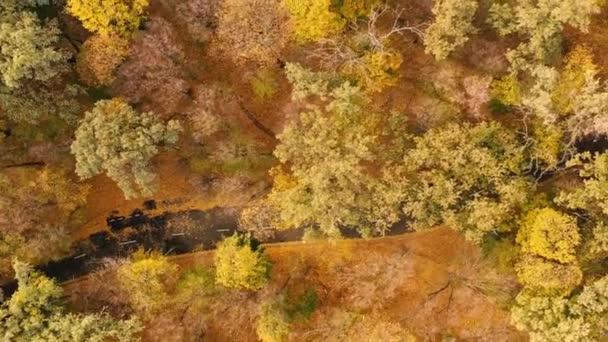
146,279
108,16
241,263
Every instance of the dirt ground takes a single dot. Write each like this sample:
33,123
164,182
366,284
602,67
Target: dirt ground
432,283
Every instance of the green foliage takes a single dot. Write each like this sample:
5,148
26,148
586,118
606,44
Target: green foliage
241,263
452,25
35,313
548,278
307,83
547,145
313,19
539,99
273,324
339,191
279,314
466,177
28,46
303,306
198,280
264,84
547,319
542,22
107,17
550,234
115,139
147,279
593,195
32,104
503,254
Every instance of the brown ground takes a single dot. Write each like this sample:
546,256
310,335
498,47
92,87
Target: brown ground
432,283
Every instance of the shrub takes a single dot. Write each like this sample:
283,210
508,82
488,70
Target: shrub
273,324
264,84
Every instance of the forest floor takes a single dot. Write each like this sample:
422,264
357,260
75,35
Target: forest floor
433,283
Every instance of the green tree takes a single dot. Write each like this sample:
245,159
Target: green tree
323,181
29,50
452,25
467,177
592,196
33,103
542,23
147,279
115,139
35,312
241,263
579,318
273,324
547,278
550,234
107,17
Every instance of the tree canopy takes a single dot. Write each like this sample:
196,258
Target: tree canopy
241,263
36,313
114,139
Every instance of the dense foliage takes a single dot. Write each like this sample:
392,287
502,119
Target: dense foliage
484,121
240,262
114,139
35,313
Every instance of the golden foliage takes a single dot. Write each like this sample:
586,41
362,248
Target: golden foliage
376,70
579,65
146,279
108,16
100,57
254,30
313,19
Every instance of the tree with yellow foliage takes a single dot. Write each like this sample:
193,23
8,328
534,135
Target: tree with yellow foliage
108,16
240,262
579,65
147,279
551,234
313,19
